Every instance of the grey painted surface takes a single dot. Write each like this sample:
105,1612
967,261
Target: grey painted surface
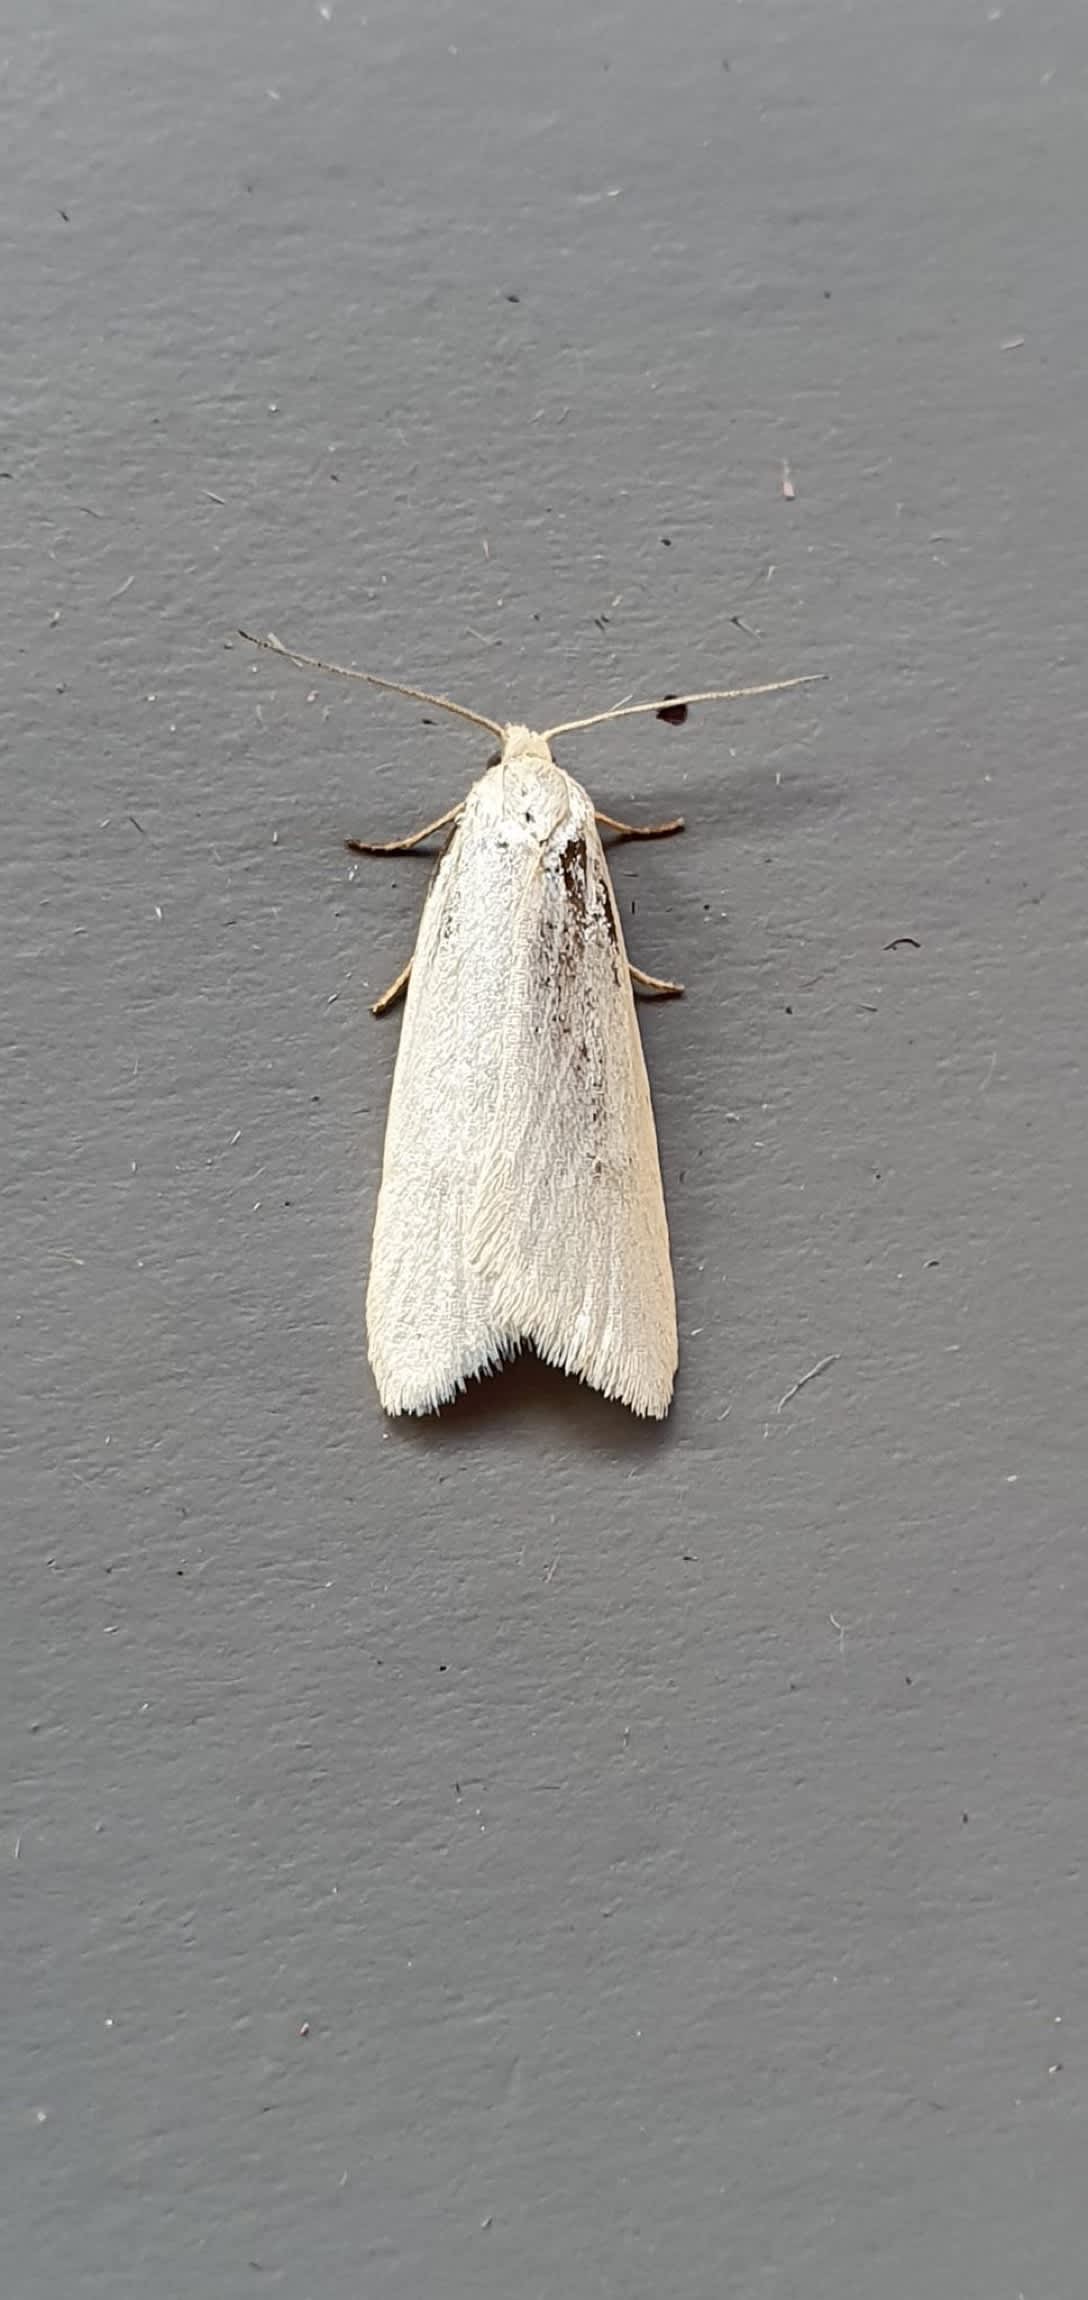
529,1857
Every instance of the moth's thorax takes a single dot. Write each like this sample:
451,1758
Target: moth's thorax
525,797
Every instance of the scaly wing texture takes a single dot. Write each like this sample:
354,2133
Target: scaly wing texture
521,1191
431,1323
569,1227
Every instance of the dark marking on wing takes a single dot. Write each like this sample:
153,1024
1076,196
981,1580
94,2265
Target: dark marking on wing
572,863
566,1035
587,913
610,919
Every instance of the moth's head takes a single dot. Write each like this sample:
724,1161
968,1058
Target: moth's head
522,748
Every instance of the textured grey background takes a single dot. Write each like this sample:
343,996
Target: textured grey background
528,1857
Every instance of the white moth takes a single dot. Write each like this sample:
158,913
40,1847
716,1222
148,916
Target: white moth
521,1197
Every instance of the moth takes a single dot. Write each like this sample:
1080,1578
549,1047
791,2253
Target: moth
521,1199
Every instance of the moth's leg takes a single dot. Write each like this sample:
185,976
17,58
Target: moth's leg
396,990
654,983
401,846
639,830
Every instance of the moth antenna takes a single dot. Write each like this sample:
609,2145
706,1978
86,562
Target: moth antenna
392,686
674,702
